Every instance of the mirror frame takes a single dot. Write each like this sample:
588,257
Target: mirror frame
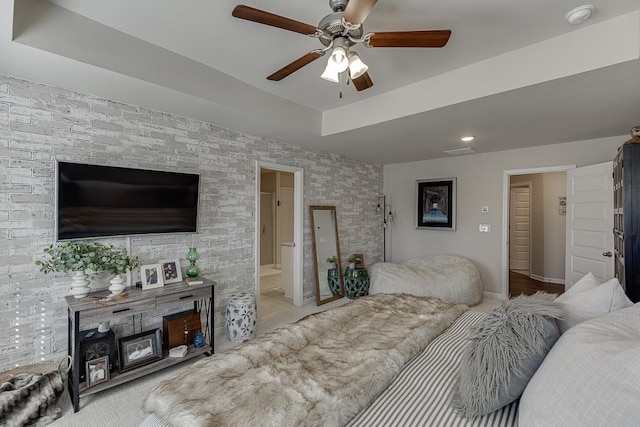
313,208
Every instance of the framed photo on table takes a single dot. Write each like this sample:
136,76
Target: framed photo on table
139,349
436,204
97,371
171,272
151,276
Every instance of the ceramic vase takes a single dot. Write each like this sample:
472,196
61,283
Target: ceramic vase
333,279
356,283
79,284
192,256
117,285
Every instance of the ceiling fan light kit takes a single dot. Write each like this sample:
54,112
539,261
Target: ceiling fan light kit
356,66
338,32
580,14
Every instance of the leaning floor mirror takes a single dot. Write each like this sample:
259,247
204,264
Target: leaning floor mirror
326,253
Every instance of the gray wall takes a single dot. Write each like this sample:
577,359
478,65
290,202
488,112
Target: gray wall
41,124
480,179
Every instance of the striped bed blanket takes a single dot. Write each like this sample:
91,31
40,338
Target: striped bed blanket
420,395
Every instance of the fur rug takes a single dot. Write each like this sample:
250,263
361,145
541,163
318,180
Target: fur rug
319,371
30,399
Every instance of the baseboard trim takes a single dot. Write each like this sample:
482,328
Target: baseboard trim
492,295
547,279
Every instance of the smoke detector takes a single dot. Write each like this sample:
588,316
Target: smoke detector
580,14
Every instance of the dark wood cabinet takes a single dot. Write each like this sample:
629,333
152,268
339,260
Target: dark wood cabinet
626,218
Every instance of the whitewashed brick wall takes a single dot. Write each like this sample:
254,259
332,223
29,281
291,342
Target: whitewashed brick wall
41,124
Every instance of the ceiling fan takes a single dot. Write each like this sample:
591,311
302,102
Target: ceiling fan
338,32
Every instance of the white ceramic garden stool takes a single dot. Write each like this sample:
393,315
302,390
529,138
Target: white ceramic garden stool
241,317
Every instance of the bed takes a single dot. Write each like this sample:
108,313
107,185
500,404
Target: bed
397,361
406,384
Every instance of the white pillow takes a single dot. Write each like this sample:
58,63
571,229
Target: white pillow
594,302
590,377
588,281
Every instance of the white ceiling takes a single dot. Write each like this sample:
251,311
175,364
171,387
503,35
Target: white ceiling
514,73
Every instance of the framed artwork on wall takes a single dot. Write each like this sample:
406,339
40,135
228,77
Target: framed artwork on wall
436,204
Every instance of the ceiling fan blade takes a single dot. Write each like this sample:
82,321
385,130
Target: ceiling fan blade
363,82
266,18
358,10
295,66
435,38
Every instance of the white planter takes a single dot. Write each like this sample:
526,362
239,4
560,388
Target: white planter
79,284
117,285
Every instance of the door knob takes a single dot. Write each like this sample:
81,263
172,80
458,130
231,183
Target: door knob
608,253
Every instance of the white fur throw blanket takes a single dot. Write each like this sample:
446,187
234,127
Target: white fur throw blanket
319,371
449,277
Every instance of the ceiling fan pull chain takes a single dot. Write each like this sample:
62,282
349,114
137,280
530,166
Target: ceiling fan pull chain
340,82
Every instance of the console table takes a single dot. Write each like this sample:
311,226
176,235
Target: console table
84,311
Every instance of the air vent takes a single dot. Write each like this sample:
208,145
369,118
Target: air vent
460,151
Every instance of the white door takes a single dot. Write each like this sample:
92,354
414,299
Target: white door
519,228
285,218
266,229
589,223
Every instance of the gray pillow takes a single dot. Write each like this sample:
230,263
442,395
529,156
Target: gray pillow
504,352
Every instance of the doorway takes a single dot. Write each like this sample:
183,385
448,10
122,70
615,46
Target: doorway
278,245
534,230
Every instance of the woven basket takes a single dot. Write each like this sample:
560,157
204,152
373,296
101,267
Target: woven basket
38,369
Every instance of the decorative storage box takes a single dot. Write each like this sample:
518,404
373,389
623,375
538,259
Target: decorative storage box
93,345
174,326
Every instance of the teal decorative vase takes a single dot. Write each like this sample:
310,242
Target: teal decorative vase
192,256
333,278
356,282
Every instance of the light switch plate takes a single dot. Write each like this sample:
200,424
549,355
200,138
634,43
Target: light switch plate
485,209
485,228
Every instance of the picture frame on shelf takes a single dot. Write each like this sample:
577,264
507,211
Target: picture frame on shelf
97,370
171,272
139,350
151,276
436,204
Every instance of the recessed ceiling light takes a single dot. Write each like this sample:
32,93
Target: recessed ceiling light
467,138
579,14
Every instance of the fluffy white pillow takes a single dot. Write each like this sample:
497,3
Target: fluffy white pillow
588,282
504,352
594,302
590,378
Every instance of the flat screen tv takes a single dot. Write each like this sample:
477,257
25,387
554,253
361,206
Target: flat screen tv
102,201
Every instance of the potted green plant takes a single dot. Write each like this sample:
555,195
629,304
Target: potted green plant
333,260
81,257
116,261
352,261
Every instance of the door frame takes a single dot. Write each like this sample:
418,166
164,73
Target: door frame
506,187
298,223
528,185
